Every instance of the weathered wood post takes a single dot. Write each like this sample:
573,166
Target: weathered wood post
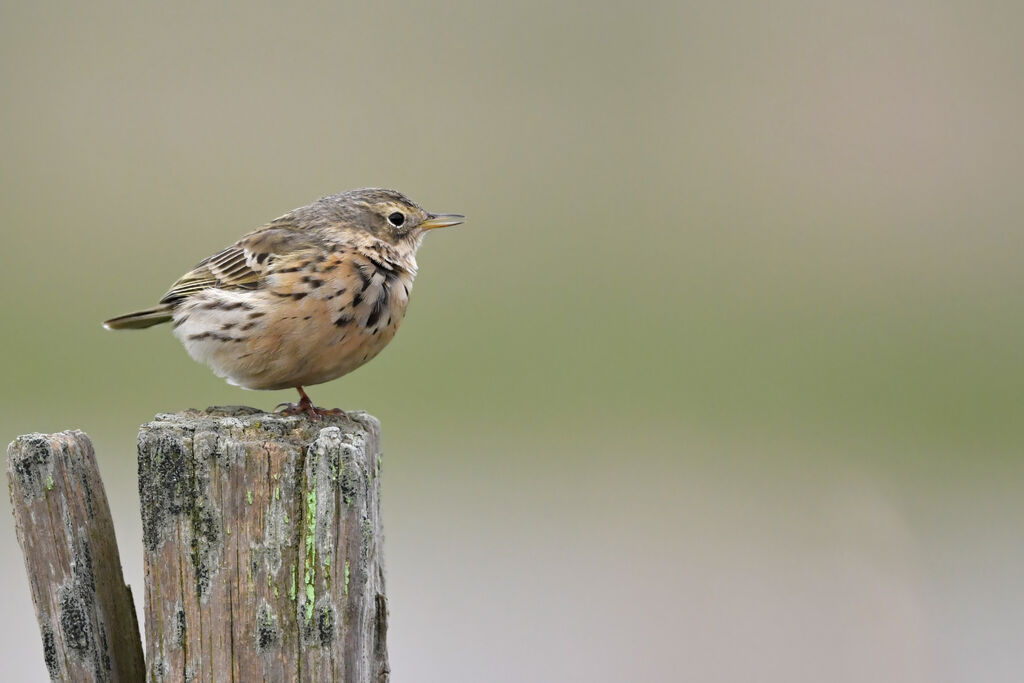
263,551
84,609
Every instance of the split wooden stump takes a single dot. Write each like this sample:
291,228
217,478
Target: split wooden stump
262,546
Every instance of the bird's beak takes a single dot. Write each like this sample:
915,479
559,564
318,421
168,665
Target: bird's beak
442,220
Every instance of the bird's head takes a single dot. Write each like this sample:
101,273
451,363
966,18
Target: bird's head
387,214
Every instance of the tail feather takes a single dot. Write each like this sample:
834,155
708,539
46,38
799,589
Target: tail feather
140,319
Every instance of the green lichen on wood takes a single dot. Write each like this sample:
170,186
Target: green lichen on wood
49,482
291,592
346,577
310,569
248,496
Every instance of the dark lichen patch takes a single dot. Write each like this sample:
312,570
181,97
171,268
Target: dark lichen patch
180,633
207,540
325,620
83,637
321,629
165,478
85,577
159,668
31,460
174,485
50,651
268,632
350,481
74,622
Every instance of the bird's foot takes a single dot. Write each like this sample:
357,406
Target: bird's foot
305,407
292,409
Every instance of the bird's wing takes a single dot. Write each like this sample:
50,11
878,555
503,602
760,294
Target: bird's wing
243,264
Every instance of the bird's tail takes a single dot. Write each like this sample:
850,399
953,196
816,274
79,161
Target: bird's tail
140,319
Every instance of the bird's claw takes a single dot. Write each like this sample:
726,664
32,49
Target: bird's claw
308,409
296,409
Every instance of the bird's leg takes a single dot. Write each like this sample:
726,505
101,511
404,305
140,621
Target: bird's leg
305,405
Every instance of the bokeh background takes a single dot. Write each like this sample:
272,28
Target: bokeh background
720,382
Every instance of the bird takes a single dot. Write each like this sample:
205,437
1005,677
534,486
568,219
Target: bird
304,299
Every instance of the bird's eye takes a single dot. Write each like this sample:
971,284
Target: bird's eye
396,219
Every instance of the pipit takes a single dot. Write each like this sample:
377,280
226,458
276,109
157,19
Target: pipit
306,298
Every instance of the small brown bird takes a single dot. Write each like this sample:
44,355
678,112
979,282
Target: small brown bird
306,298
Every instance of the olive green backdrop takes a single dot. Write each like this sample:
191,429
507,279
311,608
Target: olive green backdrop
721,381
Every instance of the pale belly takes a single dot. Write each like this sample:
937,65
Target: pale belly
257,340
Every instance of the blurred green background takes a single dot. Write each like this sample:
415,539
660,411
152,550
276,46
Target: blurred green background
720,382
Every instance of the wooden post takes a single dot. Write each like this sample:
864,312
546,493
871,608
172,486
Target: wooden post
263,550
84,609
